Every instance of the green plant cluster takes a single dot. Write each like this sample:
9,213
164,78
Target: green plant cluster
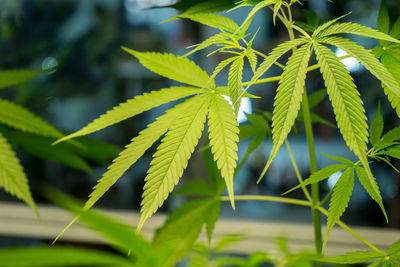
205,102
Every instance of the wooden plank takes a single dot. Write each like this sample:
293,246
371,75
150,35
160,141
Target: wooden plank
19,220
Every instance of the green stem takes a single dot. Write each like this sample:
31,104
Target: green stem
313,168
296,170
269,198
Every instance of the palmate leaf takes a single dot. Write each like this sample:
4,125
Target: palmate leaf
12,177
288,99
173,67
52,256
134,151
235,82
346,101
327,25
22,119
393,248
252,57
213,20
368,61
172,156
272,57
183,226
340,199
354,257
134,107
13,77
355,28
223,134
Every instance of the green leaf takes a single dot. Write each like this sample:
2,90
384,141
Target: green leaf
370,186
368,61
252,57
41,147
195,187
340,199
355,28
277,7
201,6
213,20
134,107
215,39
182,228
288,99
376,129
395,31
320,175
173,67
246,23
391,136
353,257
135,150
383,20
12,177
22,119
235,82
14,77
224,90
272,57
227,240
221,66
59,256
211,218
375,264
255,142
214,174
392,64
95,150
223,134
346,101
339,159
317,97
121,235
172,156
392,151
326,25
393,248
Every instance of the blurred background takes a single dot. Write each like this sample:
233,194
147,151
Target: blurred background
93,74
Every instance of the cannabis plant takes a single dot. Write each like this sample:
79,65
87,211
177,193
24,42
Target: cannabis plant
203,102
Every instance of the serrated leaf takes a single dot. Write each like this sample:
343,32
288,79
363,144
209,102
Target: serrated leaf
12,177
320,175
223,134
272,57
256,8
353,257
255,142
217,182
235,82
134,107
59,256
376,129
196,6
392,151
195,187
355,28
390,136
383,20
393,66
215,39
346,101
182,228
395,31
172,156
211,218
41,147
368,61
13,77
135,150
317,97
340,199
393,248
277,6
370,186
173,67
288,99
221,66
326,25
252,57
20,118
213,20
339,159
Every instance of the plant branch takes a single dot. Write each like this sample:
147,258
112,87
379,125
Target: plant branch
269,198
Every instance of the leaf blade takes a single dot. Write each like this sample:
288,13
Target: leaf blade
235,82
